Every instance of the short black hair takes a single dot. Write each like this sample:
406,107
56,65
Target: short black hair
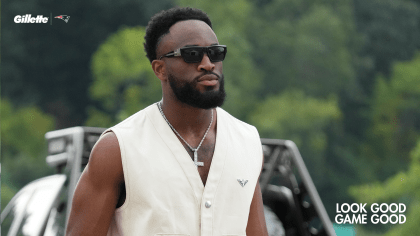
160,23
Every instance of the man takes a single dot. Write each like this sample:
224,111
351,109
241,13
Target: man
182,166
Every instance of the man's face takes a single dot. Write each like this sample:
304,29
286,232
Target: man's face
198,84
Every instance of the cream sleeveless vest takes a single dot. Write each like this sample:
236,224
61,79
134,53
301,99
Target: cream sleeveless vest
164,192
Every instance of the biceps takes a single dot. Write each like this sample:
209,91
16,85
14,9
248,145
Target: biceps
92,208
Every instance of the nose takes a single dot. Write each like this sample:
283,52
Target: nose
206,64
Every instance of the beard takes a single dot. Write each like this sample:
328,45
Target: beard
187,93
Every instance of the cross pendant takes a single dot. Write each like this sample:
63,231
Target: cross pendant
195,159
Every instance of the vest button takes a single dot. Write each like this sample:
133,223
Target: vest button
208,204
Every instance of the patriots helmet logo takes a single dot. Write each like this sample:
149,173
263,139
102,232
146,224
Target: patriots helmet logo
65,18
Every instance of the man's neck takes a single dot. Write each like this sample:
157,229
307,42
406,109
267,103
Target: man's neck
187,120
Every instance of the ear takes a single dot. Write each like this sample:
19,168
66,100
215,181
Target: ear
159,68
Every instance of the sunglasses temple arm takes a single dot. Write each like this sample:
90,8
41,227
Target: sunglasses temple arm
177,52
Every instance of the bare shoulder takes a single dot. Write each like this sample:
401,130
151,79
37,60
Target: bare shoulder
105,159
98,190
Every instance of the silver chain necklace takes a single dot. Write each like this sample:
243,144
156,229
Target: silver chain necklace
195,150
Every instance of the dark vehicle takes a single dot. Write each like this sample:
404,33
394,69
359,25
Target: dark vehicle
43,206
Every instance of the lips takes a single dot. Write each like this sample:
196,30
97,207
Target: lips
208,80
208,77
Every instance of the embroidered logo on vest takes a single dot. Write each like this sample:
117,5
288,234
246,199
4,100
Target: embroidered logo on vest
242,182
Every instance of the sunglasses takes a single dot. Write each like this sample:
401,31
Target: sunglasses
193,54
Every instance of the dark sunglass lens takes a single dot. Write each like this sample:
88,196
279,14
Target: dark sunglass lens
192,55
217,53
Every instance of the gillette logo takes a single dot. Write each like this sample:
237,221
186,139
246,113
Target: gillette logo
28,19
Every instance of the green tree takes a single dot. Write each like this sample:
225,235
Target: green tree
393,133
402,187
124,81
391,29
395,114
305,45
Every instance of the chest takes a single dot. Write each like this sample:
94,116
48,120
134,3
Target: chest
205,155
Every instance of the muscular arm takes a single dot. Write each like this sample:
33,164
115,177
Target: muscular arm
98,190
256,220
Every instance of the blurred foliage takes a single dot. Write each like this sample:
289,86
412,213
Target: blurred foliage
6,194
390,29
25,129
123,80
303,119
292,114
395,114
22,147
394,132
402,187
305,45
